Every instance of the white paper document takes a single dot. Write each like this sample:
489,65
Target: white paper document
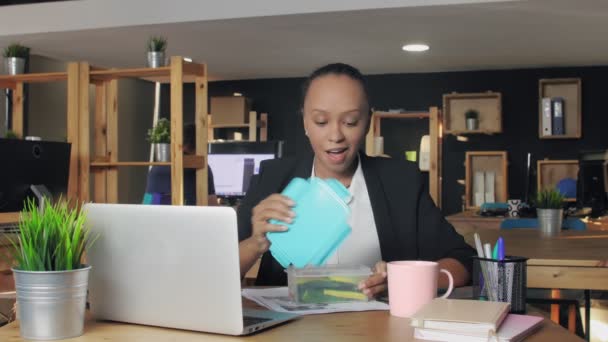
277,299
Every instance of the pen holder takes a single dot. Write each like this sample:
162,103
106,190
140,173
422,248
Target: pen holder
501,281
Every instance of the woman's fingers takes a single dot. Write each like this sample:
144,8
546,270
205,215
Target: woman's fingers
376,283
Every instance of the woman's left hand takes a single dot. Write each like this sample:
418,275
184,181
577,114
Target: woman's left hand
376,283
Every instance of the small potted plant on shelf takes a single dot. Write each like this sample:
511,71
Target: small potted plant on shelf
549,209
50,278
14,58
156,51
11,135
160,136
472,119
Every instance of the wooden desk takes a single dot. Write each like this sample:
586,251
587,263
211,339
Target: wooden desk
575,260
470,219
355,326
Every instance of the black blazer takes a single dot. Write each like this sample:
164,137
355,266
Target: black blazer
409,225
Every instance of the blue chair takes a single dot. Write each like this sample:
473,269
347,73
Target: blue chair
517,223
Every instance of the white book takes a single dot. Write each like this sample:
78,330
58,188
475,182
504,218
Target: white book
470,317
514,328
478,189
490,178
547,117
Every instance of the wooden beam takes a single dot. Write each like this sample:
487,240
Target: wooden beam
84,154
101,142
369,137
10,81
112,139
434,155
200,118
72,121
177,122
263,127
17,126
253,126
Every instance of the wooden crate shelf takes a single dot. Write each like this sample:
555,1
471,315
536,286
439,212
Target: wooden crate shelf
252,126
550,172
488,105
486,161
570,90
434,117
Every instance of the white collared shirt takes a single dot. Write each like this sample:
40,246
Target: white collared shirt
362,246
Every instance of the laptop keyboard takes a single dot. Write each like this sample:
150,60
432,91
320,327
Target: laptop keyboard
250,320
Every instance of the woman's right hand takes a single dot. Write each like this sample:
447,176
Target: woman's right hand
275,206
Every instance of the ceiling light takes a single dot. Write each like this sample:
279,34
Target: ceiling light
415,47
237,94
188,59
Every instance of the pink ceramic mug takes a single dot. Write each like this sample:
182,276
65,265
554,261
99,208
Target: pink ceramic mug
412,284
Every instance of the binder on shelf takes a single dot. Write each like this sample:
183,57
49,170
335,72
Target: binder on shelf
558,116
547,116
490,178
478,189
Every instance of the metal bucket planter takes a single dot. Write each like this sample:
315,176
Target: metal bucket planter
14,65
163,152
472,124
156,59
51,305
549,222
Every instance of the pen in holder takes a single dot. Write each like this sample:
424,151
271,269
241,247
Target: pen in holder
501,281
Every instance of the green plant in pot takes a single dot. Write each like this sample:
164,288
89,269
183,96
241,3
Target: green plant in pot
472,119
549,209
50,278
14,58
157,45
11,135
160,137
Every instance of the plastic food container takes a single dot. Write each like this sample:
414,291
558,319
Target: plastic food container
327,284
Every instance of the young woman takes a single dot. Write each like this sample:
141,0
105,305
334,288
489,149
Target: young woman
392,216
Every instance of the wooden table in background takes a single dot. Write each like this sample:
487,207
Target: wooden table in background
353,326
470,219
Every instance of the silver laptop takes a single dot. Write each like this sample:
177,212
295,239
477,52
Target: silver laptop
170,266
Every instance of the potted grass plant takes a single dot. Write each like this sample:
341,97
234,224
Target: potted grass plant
11,135
160,136
156,51
472,119
549,209
50,278
14,58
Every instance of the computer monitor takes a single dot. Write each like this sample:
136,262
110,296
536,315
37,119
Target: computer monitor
26,163
592,187
235,163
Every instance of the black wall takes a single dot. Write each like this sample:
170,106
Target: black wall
280,98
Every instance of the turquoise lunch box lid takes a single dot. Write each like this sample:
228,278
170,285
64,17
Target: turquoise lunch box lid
320,225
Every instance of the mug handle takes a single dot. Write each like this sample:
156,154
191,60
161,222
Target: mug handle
451,286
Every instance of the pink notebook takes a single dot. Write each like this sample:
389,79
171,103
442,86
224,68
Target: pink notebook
514,328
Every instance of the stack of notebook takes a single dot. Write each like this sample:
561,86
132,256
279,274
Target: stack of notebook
471,320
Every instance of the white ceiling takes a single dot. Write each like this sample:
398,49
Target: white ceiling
278,38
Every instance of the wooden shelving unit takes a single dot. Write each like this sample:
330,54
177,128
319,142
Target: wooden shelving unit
550,172
488,105
104,163
253,125
433,115
570,90
16,84
483,161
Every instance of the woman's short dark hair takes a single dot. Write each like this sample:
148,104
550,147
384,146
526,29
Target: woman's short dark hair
335,69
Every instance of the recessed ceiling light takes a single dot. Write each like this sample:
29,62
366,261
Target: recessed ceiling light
188,59
415,47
